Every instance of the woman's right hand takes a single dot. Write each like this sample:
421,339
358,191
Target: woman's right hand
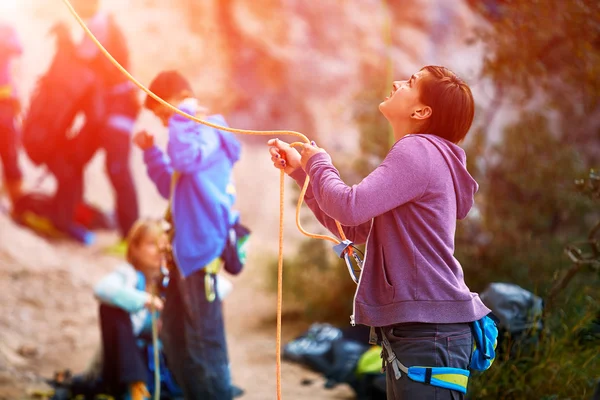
154,302
284,156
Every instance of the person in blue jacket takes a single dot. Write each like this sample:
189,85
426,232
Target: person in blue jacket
199,163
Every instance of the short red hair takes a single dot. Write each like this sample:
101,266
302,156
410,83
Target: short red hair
451,101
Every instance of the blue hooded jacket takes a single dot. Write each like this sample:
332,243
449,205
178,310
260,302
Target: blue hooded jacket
204,193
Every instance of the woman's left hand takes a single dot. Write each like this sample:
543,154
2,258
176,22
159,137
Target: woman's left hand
309,150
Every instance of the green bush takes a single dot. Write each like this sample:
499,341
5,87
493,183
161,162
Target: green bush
561,365
316,281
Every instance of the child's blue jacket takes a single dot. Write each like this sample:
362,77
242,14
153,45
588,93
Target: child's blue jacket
204,193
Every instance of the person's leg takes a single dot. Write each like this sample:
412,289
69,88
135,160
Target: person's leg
69,191
116,140
172,332
428,345
123,361
118,148
207,375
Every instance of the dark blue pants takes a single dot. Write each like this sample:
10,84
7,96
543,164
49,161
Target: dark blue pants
123,361
193,335
9,143
69,190
117,146
428,345
114,136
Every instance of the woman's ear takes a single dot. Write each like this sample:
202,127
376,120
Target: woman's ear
422,113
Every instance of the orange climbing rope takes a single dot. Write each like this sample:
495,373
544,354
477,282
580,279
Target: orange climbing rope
281,180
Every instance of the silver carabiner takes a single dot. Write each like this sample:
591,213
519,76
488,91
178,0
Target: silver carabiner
343,251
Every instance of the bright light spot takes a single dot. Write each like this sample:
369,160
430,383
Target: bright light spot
6,5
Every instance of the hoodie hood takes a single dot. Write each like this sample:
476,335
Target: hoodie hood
229,143
465,186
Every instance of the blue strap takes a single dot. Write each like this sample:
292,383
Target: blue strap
427,375
444,377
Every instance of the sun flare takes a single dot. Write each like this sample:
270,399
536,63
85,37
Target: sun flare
6,5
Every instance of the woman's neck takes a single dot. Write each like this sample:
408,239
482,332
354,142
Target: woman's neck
403,127
400,129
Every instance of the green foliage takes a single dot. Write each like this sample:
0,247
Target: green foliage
528,208
532,44
559,366
318,280
549,48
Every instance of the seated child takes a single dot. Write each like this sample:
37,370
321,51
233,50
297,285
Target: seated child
127,295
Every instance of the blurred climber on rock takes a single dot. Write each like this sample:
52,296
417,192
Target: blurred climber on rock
10,108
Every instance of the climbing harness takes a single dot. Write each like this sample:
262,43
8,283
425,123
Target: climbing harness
348,249
444,377
485,339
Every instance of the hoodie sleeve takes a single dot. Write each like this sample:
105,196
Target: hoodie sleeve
190,144
356,234
118,289
159,170
402,177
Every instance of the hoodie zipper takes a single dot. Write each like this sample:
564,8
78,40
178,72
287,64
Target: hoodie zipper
352,317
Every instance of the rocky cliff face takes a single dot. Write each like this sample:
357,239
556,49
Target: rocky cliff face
292,64
282,64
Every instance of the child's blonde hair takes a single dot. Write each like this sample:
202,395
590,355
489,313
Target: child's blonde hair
138,231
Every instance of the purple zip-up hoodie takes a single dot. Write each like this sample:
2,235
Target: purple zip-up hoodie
406,212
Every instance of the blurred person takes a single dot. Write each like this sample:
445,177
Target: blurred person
196,175
124,365
118,109
10,108
127,296
411,288
86,84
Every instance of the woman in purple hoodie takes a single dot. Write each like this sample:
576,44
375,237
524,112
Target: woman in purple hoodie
411,288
